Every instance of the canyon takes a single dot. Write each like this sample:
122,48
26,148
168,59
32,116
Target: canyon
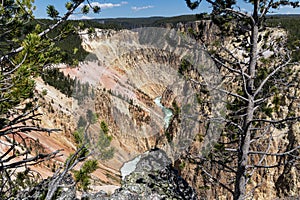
134,69
135,82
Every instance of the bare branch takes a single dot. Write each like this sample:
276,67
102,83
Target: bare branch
274,154
70,164
16,129
233,94
30,161
19,117
227,67
270,75
16,67
229,10
276,121
266,8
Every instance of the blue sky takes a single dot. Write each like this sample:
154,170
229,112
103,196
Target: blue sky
134,8
123,8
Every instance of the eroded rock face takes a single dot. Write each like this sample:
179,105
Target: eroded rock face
130,75
134,68
206,28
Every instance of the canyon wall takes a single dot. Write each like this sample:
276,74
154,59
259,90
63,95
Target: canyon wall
136,66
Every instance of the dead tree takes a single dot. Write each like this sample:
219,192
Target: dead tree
258,76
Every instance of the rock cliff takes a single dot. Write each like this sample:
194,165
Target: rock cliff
136,66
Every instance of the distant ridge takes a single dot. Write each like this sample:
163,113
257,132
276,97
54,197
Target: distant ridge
157,21
147,21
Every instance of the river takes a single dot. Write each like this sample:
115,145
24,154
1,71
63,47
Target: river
167,112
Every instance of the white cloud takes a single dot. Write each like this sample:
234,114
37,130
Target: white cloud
101,5
106,5
86,17
74,17
134,8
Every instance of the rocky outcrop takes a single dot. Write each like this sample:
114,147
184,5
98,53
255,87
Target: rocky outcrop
66,191
153,178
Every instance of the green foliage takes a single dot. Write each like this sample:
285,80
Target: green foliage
66,38
185,65
250,87
23,180
268,110
83,176
192,5
83,91
96,9
91,117
44,92
182,165
81,154
169,136
176,109
277,101
103,144
90,166
219,147
119,23
104,127
81,122
22,89
37,52
52,12
57,79
85,9
84,152
69,5
79,135
27,47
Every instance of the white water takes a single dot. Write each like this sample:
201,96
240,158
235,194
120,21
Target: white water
167,112
129,167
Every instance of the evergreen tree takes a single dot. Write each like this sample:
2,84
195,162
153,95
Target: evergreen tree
24,53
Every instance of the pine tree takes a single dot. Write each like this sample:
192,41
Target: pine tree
24,53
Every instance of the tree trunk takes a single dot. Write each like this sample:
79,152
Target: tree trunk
241,176
244,146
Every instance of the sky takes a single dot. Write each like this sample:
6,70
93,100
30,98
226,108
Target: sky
135,8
